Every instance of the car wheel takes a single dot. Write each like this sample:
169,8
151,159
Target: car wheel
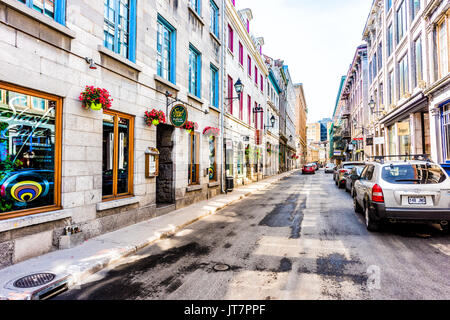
370,224
445,228
357,207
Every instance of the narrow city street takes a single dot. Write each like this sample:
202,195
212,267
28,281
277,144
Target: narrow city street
300,239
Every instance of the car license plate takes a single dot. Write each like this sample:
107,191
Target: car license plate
417,200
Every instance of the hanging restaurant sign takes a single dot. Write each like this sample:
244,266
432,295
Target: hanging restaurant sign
178,116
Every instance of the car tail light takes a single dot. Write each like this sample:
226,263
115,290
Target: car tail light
377,194
343,171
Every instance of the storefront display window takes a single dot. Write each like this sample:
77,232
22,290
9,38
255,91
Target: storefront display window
392,144
446,132
240,160
404,138
194,166
30,162
212,159
229,156
117,155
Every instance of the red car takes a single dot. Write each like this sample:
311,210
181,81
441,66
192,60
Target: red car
308,169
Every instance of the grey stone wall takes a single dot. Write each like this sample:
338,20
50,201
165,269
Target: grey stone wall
37,53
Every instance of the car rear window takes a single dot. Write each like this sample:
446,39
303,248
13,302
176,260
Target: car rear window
352,165
413,174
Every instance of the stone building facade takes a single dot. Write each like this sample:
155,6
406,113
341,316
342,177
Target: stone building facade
301,117
89,167
245,113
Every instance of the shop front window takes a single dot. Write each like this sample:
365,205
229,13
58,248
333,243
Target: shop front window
229,156
30,151
392,144
240,160
212,159
194,164
117,155
404,137
446,131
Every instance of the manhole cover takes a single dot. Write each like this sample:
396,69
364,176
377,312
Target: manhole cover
34,280
221,267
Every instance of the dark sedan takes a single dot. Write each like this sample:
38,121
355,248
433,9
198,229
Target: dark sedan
350,179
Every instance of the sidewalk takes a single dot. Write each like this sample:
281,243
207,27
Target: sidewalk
72,266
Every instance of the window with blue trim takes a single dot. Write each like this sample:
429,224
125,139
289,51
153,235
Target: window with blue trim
195,63
214,28
166,48
445,119
54,9
214,99
120,27
196,5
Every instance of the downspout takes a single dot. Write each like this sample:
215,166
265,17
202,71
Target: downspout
222,74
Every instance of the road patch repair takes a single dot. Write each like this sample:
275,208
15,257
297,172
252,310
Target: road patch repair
58,271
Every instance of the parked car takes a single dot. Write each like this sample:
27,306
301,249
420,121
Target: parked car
414,191
330,168
308,169
350,179
344,170
446,167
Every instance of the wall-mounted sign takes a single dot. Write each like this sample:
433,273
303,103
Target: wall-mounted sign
378,140
151,163
178,115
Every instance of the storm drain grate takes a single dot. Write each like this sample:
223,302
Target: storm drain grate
34,280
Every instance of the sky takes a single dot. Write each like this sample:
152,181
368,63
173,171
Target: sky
317,39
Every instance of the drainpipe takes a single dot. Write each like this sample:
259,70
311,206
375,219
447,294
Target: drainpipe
222,74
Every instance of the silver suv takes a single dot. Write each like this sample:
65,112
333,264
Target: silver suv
403,191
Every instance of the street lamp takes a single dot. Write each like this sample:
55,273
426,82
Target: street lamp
272,121
372,105
239,88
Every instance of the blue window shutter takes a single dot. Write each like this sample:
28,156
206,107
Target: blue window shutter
60,11
216,84
199,75
133,36
173,58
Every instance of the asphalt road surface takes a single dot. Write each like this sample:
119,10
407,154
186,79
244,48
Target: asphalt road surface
299,239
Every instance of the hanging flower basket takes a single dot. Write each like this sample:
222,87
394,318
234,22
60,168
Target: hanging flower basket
210,131
154,117
190,126
95,98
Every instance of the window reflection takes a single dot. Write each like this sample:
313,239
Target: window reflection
27,151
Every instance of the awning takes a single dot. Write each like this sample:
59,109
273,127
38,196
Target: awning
416,104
